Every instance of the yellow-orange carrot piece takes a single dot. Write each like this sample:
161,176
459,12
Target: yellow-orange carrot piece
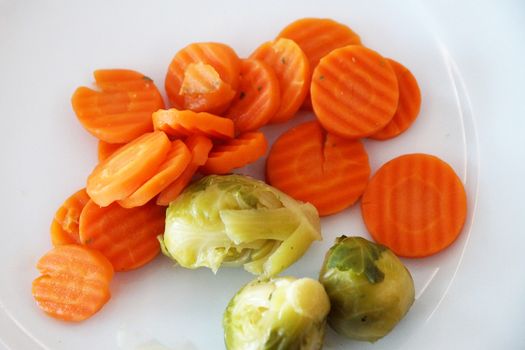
64,228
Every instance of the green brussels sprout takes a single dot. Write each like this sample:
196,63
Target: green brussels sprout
282,313
370,289
237,220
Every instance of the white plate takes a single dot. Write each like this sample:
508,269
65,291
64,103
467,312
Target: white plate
468,60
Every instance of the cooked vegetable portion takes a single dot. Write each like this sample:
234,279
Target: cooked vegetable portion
370,289
281,313
237,220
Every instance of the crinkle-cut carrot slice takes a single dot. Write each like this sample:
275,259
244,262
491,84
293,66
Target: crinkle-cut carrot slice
64,228
317,37
407,107
120,112
74,282
314,166
258,98
415,204
354,92
235,153
293,72
199,147
220,57
127,237
187,123
177,160
128,168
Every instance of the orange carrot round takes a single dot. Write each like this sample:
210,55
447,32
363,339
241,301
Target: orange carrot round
311,165
235,153
199,147
407,107
317,37
258,98
415,205
174,165
128,168
186,123
120,112
74,282
293,72
105,149
354,92
203,77
64,228
127,237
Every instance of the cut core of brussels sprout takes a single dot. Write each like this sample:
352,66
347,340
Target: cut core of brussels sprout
281,313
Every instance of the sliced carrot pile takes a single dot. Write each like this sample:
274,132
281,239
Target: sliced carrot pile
74,282
64,227
236,153
258,98
106,149
186,123
407,107
128,168
415,205
311,165
354,92
127,237
202,77
199,147
317,37
293,72
120,112
174,165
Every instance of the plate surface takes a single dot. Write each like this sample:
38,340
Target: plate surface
467,296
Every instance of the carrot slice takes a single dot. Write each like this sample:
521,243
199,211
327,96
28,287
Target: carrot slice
120,112
199,147
293,72
74,284
415,204
64,228
407,107
354,92
182,87
317,37
174,165
127,237
186,123
106,149
311,165
128,168
236,153
258,98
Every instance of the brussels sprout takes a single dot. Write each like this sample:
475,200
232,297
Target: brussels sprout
370,289
237,220
283,313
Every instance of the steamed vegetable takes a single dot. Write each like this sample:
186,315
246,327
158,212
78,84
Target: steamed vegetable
281,313
237,220
370,289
